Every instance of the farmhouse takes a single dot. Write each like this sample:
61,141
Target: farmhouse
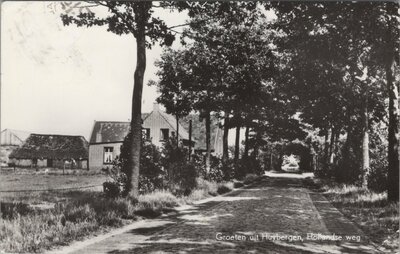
107,137
54,151
10,140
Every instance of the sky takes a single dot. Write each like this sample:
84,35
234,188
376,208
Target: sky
59,80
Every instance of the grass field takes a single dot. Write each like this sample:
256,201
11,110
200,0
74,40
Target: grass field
41,181
57,211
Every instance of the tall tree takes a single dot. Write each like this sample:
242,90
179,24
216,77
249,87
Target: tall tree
136,19
332,43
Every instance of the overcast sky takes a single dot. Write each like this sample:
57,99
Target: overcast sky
58,80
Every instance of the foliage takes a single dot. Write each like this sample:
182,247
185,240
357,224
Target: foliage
154,203
180,175
378,173
377,217
112,189
237,184
250,178
222,189
150,175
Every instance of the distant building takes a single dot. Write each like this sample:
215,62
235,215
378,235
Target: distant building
107,137
53,151
9,141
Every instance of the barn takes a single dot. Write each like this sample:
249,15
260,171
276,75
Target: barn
52,151
107,137
10,140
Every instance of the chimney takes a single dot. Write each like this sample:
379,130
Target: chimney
156,107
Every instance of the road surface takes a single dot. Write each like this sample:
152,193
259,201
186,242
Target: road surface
276,215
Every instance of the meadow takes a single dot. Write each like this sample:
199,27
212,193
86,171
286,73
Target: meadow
58,210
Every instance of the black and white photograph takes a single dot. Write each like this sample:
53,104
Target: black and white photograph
186,127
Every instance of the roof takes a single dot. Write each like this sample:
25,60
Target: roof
112,131
13,137
171,120
52,147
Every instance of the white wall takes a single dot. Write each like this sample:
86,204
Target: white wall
96,154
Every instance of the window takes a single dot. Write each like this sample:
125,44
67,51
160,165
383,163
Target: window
146,133
164,135
108,155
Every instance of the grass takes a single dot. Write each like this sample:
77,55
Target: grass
378,218
82,214
31,180
250,178
36,221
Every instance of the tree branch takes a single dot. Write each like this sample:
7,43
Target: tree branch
128,24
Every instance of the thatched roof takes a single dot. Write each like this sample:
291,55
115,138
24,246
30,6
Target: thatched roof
39,146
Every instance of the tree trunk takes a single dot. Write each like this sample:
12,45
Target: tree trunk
326,148
393,153
336,147
177,130
246,142
332,147
190,139
136,122
271,161
225,151
257,143
237,144
331,144
208,142
365,143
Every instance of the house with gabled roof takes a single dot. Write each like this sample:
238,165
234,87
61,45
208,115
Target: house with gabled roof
107,136
53,151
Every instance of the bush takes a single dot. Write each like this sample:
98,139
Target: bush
150,177
112,189
210,187
14,209
154,203
181,177
224,188
377,178
237,184
249,178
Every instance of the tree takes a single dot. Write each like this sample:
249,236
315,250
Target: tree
134,18
176,100
334,44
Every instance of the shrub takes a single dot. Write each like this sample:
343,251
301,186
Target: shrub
224,187
13,209
152,204
198,194
181,177
150,177
210,187
112,189
249,178
238,184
